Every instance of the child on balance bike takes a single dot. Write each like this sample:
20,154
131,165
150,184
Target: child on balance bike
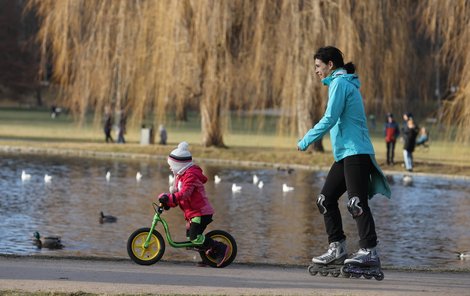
188,192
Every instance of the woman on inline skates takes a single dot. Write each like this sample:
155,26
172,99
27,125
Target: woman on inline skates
355,170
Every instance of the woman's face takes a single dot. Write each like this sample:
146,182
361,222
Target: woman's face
322,69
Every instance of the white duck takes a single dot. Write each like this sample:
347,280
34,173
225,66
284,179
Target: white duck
463,255
108,176
286,188
407,180
255,179
47,178
25,176
236,188
260,184
217,179
138,176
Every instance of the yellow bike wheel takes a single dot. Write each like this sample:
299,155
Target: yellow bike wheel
228,240
137,251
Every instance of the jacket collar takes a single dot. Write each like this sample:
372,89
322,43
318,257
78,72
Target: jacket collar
333,75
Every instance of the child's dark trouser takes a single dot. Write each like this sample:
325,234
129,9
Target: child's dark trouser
196,229
350,174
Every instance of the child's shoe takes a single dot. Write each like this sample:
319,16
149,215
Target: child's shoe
223,252
220,252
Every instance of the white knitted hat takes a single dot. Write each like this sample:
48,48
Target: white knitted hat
180,159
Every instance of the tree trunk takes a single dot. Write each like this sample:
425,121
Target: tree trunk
211,124
38,96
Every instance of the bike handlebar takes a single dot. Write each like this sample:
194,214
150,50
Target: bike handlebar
158,207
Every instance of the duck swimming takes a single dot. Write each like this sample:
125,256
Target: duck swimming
49,242
107,218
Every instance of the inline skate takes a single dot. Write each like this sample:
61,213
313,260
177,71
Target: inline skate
330,262
366,263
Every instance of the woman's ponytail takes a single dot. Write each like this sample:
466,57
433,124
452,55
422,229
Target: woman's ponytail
350,68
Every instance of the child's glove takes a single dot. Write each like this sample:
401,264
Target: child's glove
168,199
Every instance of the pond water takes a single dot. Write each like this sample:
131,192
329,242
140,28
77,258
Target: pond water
423,225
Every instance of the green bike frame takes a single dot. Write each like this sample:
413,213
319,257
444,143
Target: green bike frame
156,219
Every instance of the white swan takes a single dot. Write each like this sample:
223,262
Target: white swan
260,184
217,179
255,179
108,176
138,176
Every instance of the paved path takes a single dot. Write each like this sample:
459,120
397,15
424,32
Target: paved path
115,277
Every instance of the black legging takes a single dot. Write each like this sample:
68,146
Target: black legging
196,229
350,174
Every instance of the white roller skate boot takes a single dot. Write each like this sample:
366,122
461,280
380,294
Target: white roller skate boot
331,261
336,250
365,262
364,257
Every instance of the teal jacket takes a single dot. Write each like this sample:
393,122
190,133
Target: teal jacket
345,119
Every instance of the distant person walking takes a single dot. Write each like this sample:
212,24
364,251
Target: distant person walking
410,132
391,132
108,126
406,116
163,134
122,127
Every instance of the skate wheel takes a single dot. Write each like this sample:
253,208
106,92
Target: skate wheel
380,276
356,275
311,270
335,273
367,276
344,273
324,273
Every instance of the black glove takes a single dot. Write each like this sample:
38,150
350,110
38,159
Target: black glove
164,199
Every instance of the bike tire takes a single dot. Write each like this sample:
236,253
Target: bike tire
226,238
145,256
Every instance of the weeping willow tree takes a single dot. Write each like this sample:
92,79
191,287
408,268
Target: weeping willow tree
447,24
289,32
220,55
139,56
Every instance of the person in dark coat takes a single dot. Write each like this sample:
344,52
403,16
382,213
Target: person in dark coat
122,128
108,126
391,132
410,132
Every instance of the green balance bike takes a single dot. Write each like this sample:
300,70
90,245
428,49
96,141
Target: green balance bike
146,245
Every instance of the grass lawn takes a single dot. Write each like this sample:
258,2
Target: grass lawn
246,142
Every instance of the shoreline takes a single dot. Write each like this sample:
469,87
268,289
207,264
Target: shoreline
67,152
244,264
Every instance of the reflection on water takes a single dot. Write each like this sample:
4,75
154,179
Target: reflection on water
421,226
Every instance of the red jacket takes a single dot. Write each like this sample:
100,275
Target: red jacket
190,193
